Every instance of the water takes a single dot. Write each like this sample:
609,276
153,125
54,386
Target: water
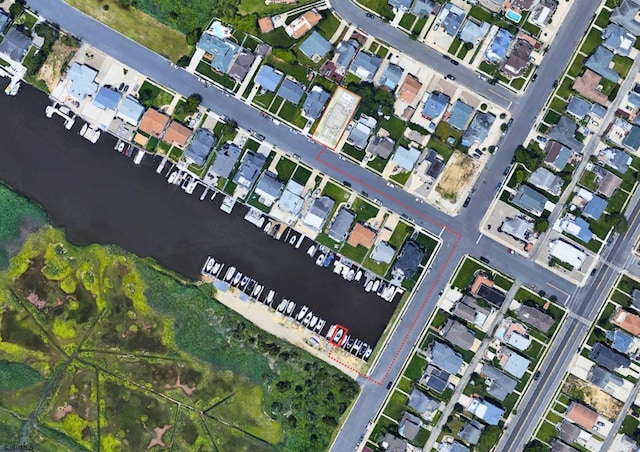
99,196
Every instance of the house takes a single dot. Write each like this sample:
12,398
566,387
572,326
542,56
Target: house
220,52
301,25
499,46
460,115
345,52
249,170
318,212
268,189
82,82
177,134
361,131
409,426
607,358
451,17
381,147
570,433
400,5
291,200
424,8
5,18
621,341
595,207
498,384
436,164
458,334
627,321
559,446
405,158
557,155
391,76
474,32
599,63
578,107
542,13
265,24
130,111
577,227
564,132
435,379
341,225
434,106
423,404
478,130
314,102
530,200
268,78
582,415
241,66
519,229
107,98
361,236
547,181
605,379
625,15
315,47
409,260
635,299
617,159
471,432
383,252
512,362
632,140
225,160
468,309
200,147
536,318
617,39
365,66
410,88
444,357
608,184
15,45
486,411
391,443
519,59
597,111
491,294
587,85
153,123
291,91
452,447
567,253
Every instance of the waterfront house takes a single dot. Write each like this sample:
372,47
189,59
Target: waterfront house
81,81
15,45
107,98
268,189
361,236
225,160
177,134
153,123
249,170
130,111
383,252
341,225
291,200
409,259
200,147
318,212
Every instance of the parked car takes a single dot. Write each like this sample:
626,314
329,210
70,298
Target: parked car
555,83
510,122
371,16
466,201
346,183
510,251
537,375
541,139
506,171
389,384
450,77
485,260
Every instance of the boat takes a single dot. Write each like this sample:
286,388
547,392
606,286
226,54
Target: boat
338,336
358,275
293,239
283,305
260,222
250,285
245,280
320,260
121,146
191,187
172,177
332,329
94,136
368,286
313,322
12,89
230,273
269,299
348,342
367,352
376,284
84,128
336,268
351,275
257,291
345,272
290,307
216,268
311,251
275,230
210,263
237,279
307,318
328,259
302,313
356,346
320,325
381,289
267,227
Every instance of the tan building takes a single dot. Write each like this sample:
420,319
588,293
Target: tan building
627,321
361,235
582,415
587,86
265,24
303,24
177,134
153,123
410,89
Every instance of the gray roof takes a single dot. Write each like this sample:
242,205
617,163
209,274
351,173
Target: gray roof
468,309
291,200
241,65
620,340
559,446
578,107
82,81
359,135
619,160
315,47
435,379
409,426
423,7
625,15
452,17
632,140
391,76
598,111
107,98
200,147
546,180
381,146
341,225
225,160
595,208
15,44
603,378
492,294
249,170
617,39
518,228
529,199
383,252
318,212
486,411
314,102
222,50
499,46
346,51
599,63
471,432
394,444
409,259
5,18
422,403
452,447
536,318
268,78
498,384
473,32
291,91
445,357
558,157
606,357
435,105
564,132
516,364
460,115
130,110
269,187
478,130
569,431
458,334
401,5
406,158
365,65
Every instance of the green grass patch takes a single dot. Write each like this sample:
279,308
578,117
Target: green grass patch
334,192
395,126
629,426
617,201
518,83
554,418
327,241
285,168
355,253
328,26
441,148
416,366
406,385
481,14
377,164
396,405
206,70
439,319
152,96
301,175
577,66
295,70
591,42
264,100
407,21
352,151
292,114
444,130
400,234
532,29
401,178
455,46
547,432
552,117
465,274
364,210
275,105
603,18
609,88
588,180
379,268
379,6
622,65
489,68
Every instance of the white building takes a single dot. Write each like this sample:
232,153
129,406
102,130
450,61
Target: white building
567,253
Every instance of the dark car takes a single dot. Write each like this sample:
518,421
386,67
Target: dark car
389,384
371,16
485,260
466,201
509,122
535,76
346,183
492,81
446,57
365,194
455,63
555,83
506,171
594,271
450,77
537,375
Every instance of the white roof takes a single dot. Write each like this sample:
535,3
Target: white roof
567,253
519,341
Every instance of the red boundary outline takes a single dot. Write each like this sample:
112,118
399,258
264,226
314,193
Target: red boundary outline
344,335
440,274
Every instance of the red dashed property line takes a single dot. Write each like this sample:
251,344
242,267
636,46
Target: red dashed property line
431,290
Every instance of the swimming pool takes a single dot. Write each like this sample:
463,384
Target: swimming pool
513,16
219,30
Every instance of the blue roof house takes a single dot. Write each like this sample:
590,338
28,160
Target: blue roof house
365,66
486,411
200,147
473,32
405,158
315,47
434,106
578,107
130,110
621,341
222,51
460,115
617,39
249,169
82,81
268,78
225,160
451,17
585,233
5,18
599,63
391,76
291,91
499,46
346,51
107,98
15,44
314,102
400,5
423,8
595,208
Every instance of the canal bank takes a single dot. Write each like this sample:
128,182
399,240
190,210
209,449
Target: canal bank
99,195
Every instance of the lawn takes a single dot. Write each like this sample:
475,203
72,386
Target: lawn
465,274
444,130
294,70
401,178
533,30
363,210
396,405
617,201
205,69
552,117
285,168
593,40
488,68
328,26
481,14
603,18
156,96
259,7
415,368
395,126
335,192
547,432
455,45
264,100
379,268
407,21
622,65
301,175
588,180
355,253
564,90
137,26
577,66
377,164
441,148
558,104
293,114
399,235
518,83
351,151
379,6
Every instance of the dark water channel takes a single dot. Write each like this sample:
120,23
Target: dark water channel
99,195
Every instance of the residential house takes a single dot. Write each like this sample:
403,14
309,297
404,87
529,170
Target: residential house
627,321
468,309
542,13
315,102
444,357
405,158
512,362
578,107
249,170
315,47
571,433
291,91
597,112
177,134
530,200
522,5
547,181
200,147
265,24
423,404
409,259
268,78
424,8
617,39
365,66
15,45
345,52
567,253
491,294
609,183
153,123
595,207
621,341
391,76
557,155
435,379
632,140
5,19
599,63
361,236
564,132
536,318
478,130
383,252
582,415
400,5
130,111
576,227
559,446
361,131
608,358
220,52
436,164
81,78
460,115
225,160
291,200
486,411
268,189
409,426
605,379
434,106
390,443
341,225
518,228
471,432
410,88
302,24
588,85
318,212
107,98
241,66
450,18
617,159
474,32
519,59
458,334
498,384
381,147
626,14
454,446
635,299
499,46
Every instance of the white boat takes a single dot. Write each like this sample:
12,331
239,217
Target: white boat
367,353
216,268
338,336
351,275
283,305
312,250
320,260
204,194
267,227
230,273
269,300
336,268
345,272
293,239
237,279
302,313
368,286
172,177
332,329
320,325
210,263
290,307
260,222
313,322
120,146
358,275
84,128
48,111
346,340
307,318
94,136
376,284
138,158
245,280
257,291
12,89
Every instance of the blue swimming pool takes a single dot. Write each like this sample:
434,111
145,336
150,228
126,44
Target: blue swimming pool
513,16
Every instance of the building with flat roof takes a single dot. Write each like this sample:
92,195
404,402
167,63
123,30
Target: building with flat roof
225,160
512,362
318,213
130,111
567,253
249,169
200,147
336,117
315,47
486,411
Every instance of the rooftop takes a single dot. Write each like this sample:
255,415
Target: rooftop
409,426
564,132
346,51
222,51
410,88
478,130
582,415
107,98
625,15
341,225
268,78
599,63
587,86
383,252
225,160
177,134
291,91
422,403
406,158
249,170
566,252
241,65
473,32
435,105
381,146
608,358
130,110
536,318
518,228
15,44
318,212
617,39
452,17
458,334
153,122
460,115
468,309
445,357
498,384
530,200
486,411
365,65
546,180
578,107
391,76
82,81
595,207
200,147
315,47
361,235
291,200
627,321
499,46
471,432
268,188
314,102
515,364
303,24
409,259
519,59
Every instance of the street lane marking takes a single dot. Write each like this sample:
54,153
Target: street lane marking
479,237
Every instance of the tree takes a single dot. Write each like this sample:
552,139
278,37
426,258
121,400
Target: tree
521,176
183,61
489,437
541,225
145,95
193,36
618,222
229,127
285,55
468,46
15,10
193,102
535,446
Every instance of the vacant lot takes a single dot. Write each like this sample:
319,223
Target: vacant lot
455,177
